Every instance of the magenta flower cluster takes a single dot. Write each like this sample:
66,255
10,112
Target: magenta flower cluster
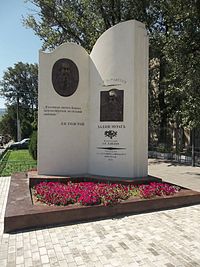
157,189
90,193
85,193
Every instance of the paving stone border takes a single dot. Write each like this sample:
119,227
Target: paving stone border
22,214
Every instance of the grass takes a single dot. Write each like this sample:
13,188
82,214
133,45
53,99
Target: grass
16,161
21,155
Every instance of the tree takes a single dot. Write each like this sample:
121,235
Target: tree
82,22
19,87
175,43
173,28
8,123
21,82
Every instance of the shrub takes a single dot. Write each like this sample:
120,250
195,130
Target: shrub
33,145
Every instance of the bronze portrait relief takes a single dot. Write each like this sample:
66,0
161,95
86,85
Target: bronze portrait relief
65,77
112,105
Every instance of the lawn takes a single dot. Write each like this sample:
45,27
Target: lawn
19,155
16,161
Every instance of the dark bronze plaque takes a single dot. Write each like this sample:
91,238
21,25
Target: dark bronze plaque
65,77
112,105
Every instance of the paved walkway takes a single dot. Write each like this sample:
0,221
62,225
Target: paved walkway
167,238
186,176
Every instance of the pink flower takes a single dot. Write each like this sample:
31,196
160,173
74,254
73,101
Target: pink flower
90,193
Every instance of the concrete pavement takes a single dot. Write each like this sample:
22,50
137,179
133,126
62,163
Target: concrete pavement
173,172
164,239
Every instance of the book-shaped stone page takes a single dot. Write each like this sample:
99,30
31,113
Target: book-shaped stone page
93,109
63,111
119,101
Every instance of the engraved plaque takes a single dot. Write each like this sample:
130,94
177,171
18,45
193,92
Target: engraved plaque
65,77
111,105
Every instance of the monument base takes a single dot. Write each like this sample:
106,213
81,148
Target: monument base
22,214
34,176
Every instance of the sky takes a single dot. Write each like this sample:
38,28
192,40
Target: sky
16,42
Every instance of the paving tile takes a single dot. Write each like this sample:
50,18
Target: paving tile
62,263
72,264
28,262
11,264
44,259
161,239
43,251
3,263
54,261
20,259
11,257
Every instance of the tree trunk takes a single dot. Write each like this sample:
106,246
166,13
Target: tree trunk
193,147
161,100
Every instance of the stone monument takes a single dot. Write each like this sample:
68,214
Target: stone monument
93,108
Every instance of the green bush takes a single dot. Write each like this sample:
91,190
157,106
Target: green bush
33,145
164,148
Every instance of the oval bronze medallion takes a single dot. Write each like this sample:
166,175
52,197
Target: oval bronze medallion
65,77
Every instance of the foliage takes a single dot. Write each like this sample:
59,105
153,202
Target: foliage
82,21
26,127
8,124
19,87
33,145
90,193
20,82
35,121
174,36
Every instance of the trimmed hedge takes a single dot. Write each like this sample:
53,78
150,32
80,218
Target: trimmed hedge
33,145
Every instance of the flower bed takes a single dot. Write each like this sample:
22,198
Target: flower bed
91,193
24,212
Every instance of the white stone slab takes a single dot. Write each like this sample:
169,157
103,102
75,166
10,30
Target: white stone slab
100,128
63,120
121,57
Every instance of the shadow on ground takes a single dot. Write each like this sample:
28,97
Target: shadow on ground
169,162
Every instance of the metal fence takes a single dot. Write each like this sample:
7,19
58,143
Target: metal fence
178,144
181,157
